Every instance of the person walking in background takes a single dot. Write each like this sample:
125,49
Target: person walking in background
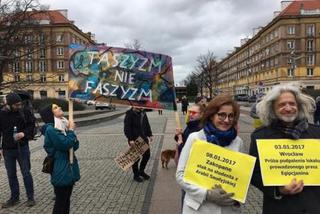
316,116
16,129
195,113
59,138
136,124
219,121
285,113
184,105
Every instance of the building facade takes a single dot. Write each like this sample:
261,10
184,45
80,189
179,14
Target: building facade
43,71
285,50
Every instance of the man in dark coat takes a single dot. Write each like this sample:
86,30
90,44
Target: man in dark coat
285,113
136,124
16,148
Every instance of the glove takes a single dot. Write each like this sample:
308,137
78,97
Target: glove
219,196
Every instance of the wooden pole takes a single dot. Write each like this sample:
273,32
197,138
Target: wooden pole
70,106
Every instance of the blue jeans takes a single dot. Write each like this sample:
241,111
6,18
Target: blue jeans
10,159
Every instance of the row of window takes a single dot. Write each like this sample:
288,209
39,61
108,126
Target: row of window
310,29
44,94
42,52
29,66
43,78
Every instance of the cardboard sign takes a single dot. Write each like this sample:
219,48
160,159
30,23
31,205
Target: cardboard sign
281,160
128,157
123,76
209,164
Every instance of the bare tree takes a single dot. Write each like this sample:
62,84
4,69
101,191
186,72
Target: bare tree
207,72
20,34
134,44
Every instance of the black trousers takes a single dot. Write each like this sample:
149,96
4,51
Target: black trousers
62,202
145,158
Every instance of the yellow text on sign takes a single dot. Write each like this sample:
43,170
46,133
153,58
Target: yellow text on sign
209,164
281,160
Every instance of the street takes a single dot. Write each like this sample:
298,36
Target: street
103,187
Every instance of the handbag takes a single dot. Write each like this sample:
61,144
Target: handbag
47,165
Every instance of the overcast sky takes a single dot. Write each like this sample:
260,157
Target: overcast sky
182,29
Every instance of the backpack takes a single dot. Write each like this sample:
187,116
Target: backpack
28,108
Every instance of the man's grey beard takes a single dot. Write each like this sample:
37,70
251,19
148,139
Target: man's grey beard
287,119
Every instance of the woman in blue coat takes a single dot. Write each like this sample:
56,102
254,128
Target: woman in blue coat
59,139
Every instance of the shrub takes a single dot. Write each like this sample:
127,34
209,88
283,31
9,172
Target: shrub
40,103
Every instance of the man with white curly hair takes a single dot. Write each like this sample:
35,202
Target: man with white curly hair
286,113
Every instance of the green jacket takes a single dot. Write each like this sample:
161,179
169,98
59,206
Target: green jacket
57,145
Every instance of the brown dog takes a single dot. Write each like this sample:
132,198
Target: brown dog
165,157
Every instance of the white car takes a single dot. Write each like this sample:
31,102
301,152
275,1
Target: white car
101,105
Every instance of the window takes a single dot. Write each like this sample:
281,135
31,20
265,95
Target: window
291,30
60,51
42,53
310,59
16,67
29,78
42,38
29,53
29,66
309,71
290,44
17,78
310,30
61,78
42,66
43,94
43,78
290,72
60,64
62,94
310,45
59,38
289,60
27,39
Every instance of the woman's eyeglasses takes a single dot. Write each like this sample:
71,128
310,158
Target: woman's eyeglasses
222,116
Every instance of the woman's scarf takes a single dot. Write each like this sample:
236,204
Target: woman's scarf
294,131
218,137
61,124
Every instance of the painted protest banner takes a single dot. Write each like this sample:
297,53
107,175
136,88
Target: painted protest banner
281,160
209,164
128,157
123,76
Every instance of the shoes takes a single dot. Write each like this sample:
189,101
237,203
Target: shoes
30,203
10,203
144,175
137,179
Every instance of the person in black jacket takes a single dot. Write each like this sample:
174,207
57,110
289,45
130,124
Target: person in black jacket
136,124
317,112
285,113
16,148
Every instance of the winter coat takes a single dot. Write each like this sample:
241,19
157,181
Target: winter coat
136,124
23,120
184,104
57,145
307,201
195,199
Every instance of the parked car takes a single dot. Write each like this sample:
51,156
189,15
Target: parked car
241,97
90,102
252,99
102,105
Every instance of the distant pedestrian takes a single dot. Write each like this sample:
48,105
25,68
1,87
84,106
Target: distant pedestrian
136,124
15,147
160,111
253,113
59,138
219,121
317,112
184,105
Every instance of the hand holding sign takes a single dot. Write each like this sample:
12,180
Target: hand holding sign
220,197
293,188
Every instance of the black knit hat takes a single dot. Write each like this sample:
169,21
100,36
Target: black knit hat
47,114
13,98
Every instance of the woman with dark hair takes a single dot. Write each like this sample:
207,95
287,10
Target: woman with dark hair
219,121
59,138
